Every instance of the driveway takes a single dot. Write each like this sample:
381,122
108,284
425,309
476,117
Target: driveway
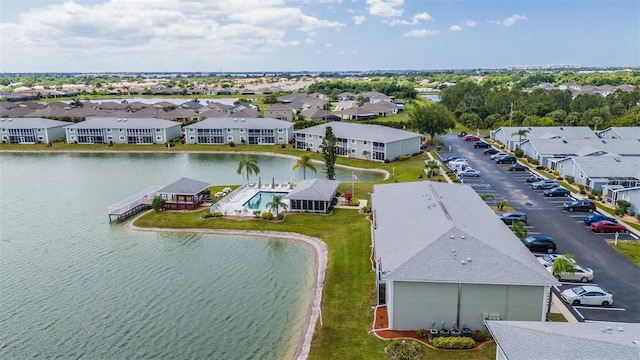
612,271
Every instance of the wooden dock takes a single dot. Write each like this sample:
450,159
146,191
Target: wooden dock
132,205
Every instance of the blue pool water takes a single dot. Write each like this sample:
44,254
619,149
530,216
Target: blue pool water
260,200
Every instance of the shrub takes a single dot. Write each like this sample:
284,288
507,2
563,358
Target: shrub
257,213
421,332
232,144
366,209
158,203
404,157
560,178
207,215
386,161
280,216
480,335
283,146
403,350
454,343
267,215
571,180
354,202
556,173
438,148
518,153
591,197
217,214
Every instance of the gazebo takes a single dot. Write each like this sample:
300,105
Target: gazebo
184,194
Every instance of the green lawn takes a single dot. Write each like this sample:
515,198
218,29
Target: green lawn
629,248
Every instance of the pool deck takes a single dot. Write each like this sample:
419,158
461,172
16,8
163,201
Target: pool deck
233,204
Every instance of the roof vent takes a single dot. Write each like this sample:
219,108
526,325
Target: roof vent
603,141
461,236
453,237
468,260
463,262
561,128
620,329
564,141
617,159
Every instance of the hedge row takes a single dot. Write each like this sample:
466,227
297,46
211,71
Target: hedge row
454,343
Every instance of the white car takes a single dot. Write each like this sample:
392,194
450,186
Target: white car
469,172
580,273
587,295
548,259
498,154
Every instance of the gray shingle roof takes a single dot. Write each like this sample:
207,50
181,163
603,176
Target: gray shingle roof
543,132
234,123
607,166
185,186
124,123
423,231
314,189
576,146
367,132
30,123
566,340
629,132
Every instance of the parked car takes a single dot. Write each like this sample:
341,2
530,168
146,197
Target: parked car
506,160
512,216
544,184
595,217
557,191
471,137
605,226
540,243
548,259
457,165
469,172
587,295
451,158
579,205
518,167
579,273
491,151
481,145
533,178
498,154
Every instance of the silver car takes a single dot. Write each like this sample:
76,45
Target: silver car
582,274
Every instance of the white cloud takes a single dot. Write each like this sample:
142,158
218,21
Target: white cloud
415,19
455,28
420,33
87,34
510,21
390,8
328,45
359,19
309,41
470,23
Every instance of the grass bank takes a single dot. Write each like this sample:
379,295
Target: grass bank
629,248
349,291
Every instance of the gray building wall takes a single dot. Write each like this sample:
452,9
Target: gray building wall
418,305
236,135
404,147
355,147
119,135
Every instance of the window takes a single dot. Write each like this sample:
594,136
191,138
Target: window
280,138
365,142
310,146
121,130
310,137
4,130
72,130
354,141
109,130
40,137
5,138
158,130
243,139
40,130
242,131
281,130
73,138
192,130
229,131
121,138
109,137
192,137
320,137
159,138
353,151
229,138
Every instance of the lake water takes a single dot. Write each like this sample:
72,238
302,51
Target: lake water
74,286
432,97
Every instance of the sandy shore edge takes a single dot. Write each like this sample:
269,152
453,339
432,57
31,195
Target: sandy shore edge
261,153
320,248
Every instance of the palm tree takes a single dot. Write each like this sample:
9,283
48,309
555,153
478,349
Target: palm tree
521,133
486,197
277,203
305,163
500,204
432,168
520,230
248,166
563,264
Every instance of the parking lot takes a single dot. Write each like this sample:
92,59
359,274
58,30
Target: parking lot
546,216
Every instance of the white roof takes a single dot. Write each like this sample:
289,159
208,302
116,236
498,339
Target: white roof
249,123
30,123
369,132
566,340
124,123
314,189
423,231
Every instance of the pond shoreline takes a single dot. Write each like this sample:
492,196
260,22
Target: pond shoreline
261,153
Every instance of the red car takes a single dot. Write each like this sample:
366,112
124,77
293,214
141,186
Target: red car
605,226
471,137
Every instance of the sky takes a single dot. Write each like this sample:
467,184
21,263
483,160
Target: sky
313,35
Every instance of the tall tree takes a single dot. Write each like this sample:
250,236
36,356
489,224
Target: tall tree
431,119
521,133
432,168
277,203
248,166
328,147
305,163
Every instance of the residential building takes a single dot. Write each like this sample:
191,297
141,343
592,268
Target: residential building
184,194
313,195
548,151
618,132
319,115
361,141
613,193
31,130
105,130
507,135
524,340
280,112
252,131
595,172
454,270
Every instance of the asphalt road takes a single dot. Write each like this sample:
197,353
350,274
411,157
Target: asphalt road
612,271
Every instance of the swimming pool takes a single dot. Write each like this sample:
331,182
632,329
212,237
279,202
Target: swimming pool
260,200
